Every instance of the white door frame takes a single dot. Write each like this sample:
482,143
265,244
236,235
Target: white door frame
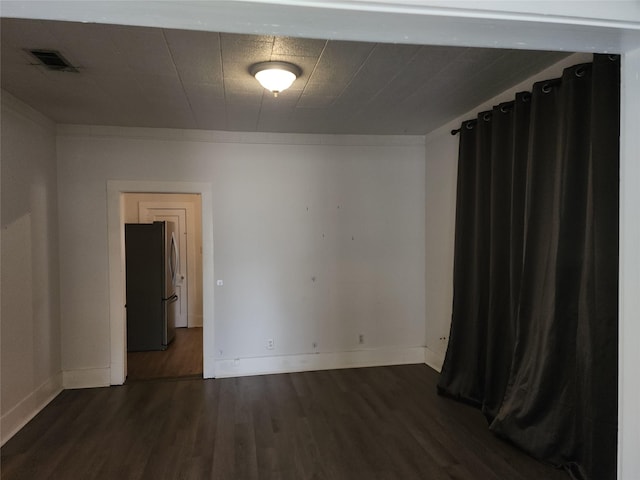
115,231
147,211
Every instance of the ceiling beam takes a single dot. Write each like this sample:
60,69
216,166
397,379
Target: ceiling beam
580,26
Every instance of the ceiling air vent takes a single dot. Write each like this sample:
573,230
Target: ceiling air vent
53,60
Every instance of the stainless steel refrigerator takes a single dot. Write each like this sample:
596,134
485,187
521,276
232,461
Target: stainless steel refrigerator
151,268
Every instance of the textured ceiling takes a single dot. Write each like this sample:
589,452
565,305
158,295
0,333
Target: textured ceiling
151,77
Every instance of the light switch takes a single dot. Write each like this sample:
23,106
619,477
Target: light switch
220,283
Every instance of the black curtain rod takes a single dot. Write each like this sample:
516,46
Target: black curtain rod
579,72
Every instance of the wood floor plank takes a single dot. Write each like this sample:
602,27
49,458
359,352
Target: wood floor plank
383,423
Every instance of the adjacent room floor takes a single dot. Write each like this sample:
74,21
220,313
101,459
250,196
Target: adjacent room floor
183,358
368,423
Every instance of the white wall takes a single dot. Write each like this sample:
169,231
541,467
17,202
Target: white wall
30,311
317,239
441,172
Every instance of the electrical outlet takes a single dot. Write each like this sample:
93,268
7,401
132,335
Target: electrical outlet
270,344
361,339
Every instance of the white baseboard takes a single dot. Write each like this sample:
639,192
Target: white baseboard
433,359
29,407
116,373
209,366
196,321
86,378
240,367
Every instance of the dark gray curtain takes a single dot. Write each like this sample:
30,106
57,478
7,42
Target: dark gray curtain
534,329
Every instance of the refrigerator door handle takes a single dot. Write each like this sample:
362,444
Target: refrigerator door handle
171,299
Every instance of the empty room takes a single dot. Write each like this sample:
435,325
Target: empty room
414,259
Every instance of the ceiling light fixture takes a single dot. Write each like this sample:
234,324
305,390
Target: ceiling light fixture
275,76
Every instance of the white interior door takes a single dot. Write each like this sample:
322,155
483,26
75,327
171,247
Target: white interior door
178,217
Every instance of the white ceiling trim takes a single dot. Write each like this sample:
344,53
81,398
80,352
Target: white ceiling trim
254,138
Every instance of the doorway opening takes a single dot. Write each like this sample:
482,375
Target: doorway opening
183,357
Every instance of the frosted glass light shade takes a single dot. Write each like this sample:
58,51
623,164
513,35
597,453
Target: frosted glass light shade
275,80
275,76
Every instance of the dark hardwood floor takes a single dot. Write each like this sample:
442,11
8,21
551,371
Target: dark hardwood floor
370,423
183,358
